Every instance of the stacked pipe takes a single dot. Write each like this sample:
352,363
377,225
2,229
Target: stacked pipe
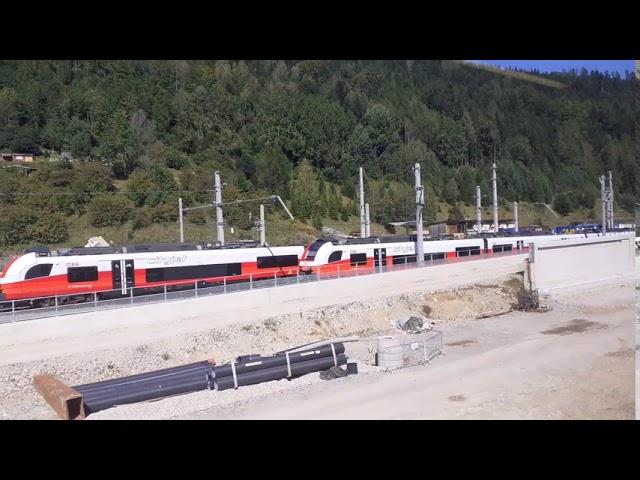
246,370
249,371
145,386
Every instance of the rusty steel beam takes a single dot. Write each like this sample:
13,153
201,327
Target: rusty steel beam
66,401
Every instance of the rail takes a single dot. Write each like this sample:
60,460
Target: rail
59,305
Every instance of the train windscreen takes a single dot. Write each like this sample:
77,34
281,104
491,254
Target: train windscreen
315,246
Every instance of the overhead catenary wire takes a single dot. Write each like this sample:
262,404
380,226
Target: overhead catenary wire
238,202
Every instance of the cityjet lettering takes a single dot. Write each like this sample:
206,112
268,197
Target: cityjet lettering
172,260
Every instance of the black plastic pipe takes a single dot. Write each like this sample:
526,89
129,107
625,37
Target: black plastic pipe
142,376
277,361
151,384
194,377
202,375
278,373
96,402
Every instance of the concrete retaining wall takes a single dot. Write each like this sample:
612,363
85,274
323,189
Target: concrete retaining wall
48,337
581,262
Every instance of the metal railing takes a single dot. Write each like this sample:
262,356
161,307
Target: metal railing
50,306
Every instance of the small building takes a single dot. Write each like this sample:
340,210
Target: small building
18,157
458,228
409,226
626,224
448,227
18,161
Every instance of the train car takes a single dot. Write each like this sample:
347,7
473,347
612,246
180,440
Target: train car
329,255
78,272
577,228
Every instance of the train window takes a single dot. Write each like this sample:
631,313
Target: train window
40,270
278,261
155,274
358,259
315,246
503,248
82,274
335,256
466,251
435,256
193,272
401,259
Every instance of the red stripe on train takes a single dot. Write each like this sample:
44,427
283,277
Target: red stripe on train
58,284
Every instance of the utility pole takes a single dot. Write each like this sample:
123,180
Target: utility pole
263,227
419,206
367,222
515,214
478,210
603,200
495,200
363,228
219,218
181,222
610,201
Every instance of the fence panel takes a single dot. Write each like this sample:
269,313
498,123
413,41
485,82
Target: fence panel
410,350
264,283
213,290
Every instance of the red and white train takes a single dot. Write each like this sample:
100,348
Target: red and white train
75,274
329,255
115,270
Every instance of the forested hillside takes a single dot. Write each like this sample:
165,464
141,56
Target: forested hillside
119,141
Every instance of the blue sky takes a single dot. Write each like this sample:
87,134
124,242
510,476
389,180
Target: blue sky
620,66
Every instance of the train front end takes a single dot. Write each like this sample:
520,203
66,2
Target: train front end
313,256
11,278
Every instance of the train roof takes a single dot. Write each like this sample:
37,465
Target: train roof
412,238
361,241
43,251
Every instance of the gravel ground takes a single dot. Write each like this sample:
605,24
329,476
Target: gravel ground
200,401
18,399
574,361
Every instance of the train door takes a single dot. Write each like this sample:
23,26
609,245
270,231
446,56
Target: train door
123,275
380,256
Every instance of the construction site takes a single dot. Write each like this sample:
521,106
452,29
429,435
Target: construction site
495,325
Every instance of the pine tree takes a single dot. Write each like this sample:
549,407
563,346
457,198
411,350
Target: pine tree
304,191
317,222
